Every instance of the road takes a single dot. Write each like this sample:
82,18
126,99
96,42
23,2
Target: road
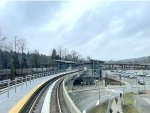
84,99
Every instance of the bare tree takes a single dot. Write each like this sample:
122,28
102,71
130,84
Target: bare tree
65,53
35,59
22,44
79,57
4,56
60,52
88,58
2,38
22,47
74,55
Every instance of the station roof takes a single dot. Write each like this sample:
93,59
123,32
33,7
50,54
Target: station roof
97,61
66,62
85,62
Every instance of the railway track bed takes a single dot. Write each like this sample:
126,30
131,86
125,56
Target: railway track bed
57,103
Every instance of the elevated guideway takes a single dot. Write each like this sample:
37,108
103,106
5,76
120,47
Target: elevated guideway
20,94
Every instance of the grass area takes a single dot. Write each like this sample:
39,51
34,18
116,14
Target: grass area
99,109
113,82
129,107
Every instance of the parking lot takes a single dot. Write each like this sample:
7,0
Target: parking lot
134,77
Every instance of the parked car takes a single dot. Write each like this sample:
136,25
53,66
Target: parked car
139,74
126,75
147,75
132,76
141,82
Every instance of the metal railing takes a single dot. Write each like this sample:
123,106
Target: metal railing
7,85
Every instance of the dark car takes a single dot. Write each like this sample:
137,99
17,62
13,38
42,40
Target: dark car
141,82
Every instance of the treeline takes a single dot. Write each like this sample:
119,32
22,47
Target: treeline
11,59
16,59
65,54
141,60
14,55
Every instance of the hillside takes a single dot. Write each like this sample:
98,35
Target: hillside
143,60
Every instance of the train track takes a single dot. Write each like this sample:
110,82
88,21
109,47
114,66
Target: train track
58,104
34,104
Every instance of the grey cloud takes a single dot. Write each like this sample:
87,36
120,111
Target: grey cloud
28,17
119,45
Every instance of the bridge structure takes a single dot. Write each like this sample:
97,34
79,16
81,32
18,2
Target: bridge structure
99,64
125,66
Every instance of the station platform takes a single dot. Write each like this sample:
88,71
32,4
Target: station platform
6,104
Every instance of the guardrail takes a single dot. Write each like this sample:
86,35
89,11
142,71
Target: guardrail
19,81
70,104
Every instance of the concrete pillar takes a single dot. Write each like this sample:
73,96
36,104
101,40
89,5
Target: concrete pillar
112,66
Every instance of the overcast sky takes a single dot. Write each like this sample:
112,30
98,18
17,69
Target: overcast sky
102,30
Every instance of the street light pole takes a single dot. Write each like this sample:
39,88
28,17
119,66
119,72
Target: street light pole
120,78
143,79
15,54
93,71
99,89
136,77
106,79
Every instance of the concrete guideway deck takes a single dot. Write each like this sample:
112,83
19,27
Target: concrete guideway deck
21,103
17,100
7,103
46,103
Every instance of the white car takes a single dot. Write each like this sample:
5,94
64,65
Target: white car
132,76
147,75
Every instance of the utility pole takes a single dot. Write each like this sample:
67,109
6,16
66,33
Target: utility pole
106,79
144,78
15,42
99,85
15,54
136,78
120,78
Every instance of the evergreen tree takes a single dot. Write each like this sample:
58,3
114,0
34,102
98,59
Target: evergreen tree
24,61
54,54
35,59
12,74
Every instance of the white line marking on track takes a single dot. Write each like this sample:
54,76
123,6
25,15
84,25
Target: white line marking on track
46,103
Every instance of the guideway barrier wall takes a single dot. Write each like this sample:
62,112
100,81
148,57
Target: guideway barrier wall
70,104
